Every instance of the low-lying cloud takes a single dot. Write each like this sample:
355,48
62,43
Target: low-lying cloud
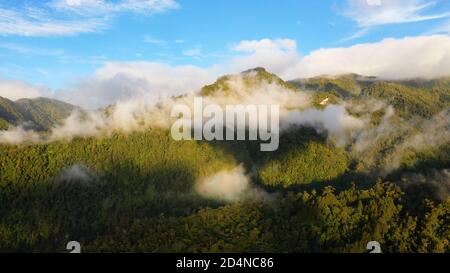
382,148
437,181
148,110
230,185
334,118
422,56
76,173
119,81
17,135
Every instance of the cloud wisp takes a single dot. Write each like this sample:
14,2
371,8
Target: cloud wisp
372,13
72,17
36,22
90,7
119,81
410,57
368,14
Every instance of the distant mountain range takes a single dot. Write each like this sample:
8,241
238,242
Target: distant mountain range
324,190
409,97
39,114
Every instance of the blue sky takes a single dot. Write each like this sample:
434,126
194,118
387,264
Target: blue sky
55,43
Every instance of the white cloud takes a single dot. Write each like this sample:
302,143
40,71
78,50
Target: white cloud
89,7
31,50
265,45
372,13
228,185
71,17
28,23
276,55
15,135
423,56
13,90
154,41
124,80
193,52
369,13
334,118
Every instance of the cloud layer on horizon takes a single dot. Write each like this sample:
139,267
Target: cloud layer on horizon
15,89
410,57
121,81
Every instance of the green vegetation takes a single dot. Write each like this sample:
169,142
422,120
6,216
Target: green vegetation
252,79
136,192
138,197
39,114
9,111
142,175
303,158
406,101
410,98
344,86
3,124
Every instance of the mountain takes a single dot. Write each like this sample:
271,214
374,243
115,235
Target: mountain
251,79
39,114
412,97
342,86
142,191
9,113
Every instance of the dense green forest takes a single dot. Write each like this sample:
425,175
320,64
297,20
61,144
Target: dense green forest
135,192
39,114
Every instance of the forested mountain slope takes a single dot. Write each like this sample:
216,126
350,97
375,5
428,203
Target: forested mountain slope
370,163
39,114
409,97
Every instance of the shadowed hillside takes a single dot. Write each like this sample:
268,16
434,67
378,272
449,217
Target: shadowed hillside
39,114
359,159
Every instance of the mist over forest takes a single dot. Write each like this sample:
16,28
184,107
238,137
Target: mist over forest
359,159
249,128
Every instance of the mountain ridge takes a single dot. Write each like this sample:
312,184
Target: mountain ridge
39,113
143,191
410,97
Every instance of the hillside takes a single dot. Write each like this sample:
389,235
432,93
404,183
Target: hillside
370,164
413,97
39,114
251,79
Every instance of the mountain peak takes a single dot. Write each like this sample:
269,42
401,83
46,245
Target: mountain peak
39,113
254,70
252,78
